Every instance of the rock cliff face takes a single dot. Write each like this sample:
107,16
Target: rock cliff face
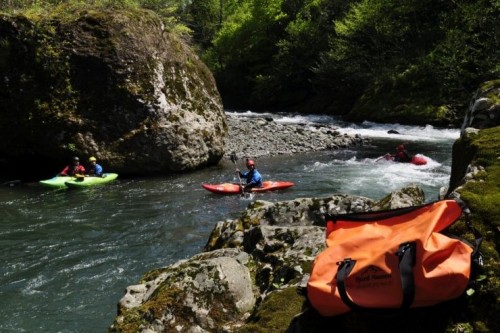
484,107
115,85
483,113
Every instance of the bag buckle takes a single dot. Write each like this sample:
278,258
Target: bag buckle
404,248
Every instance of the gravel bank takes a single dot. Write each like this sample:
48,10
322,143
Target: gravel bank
258,136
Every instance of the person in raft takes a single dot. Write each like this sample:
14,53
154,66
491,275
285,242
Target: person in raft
253,177
73,169
94,169
402,155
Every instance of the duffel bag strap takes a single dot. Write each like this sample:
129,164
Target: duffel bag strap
407,257
406,254
345,268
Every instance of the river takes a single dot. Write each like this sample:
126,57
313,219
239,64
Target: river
68,255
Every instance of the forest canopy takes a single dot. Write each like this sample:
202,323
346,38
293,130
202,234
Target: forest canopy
376,57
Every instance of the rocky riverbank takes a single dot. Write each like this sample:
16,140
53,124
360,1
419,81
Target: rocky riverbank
253,268
262,136
248,277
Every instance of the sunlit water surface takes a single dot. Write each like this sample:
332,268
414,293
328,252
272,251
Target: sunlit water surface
68,255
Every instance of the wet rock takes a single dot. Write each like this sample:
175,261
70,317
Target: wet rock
263,255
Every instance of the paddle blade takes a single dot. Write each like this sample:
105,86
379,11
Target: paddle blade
233,157
79,177
247,196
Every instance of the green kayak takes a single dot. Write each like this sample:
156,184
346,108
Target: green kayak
56,182
90,181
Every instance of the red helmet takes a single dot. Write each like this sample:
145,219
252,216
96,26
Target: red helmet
250,163
401,147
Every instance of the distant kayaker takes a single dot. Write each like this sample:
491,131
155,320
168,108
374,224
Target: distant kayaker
94,169
402,155
253,177
74,168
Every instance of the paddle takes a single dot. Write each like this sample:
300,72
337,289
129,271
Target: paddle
234,158
390,155
79,177
12,183
381,157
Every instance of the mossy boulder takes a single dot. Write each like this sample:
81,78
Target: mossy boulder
112,84
189,295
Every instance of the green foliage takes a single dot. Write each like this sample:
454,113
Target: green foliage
44,6
244,45
170,13
282,53
168,10
205,18
306,35
468,54
441,50
264,52
424,57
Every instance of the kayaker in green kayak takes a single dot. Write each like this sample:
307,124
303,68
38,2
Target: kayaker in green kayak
94,169
74,168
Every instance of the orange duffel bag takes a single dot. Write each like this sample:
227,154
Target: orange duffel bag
395,259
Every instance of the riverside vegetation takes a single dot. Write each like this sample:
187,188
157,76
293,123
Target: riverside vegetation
411,62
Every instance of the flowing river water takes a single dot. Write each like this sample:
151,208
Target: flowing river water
68,255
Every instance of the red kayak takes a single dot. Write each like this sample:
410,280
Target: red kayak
232,188
417,159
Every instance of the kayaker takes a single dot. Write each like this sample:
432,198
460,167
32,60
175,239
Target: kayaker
253,177
74,168
94,169
402,155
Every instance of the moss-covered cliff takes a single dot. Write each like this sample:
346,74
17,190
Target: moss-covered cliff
113,84
477,157
475,175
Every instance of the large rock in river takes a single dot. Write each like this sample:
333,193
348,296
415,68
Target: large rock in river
115,84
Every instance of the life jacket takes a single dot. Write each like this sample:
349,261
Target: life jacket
402,156
72,170
94,170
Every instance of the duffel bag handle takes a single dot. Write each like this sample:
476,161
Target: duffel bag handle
407,258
